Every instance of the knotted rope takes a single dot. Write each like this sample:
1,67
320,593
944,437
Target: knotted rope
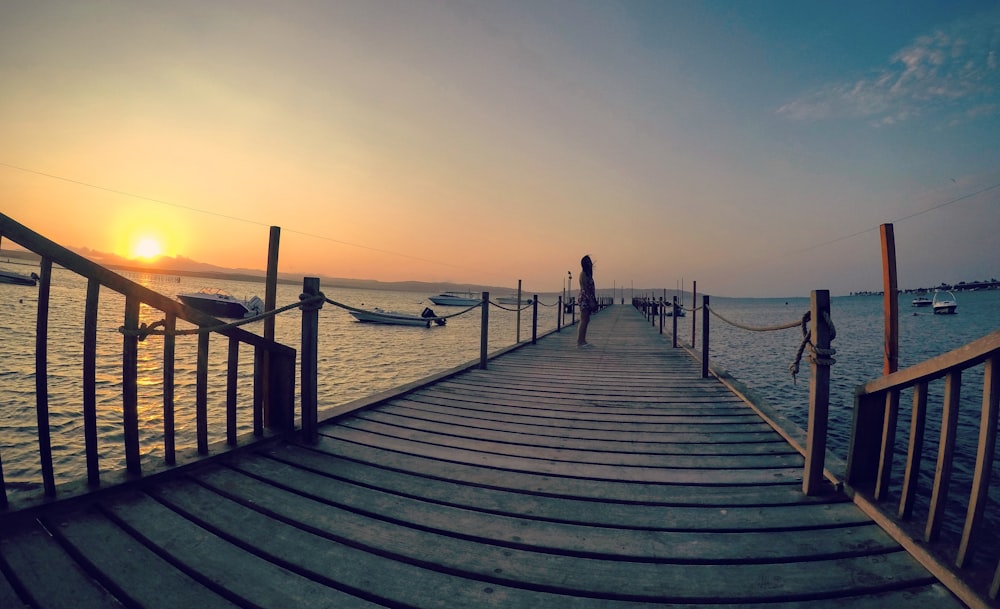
817,355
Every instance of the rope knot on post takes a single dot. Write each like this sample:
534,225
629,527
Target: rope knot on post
817,355
143,331
311,302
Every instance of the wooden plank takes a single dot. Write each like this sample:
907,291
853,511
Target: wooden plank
971,354
557,438
946,453
911,476
225,570
754,511
680,472
607,421
889,422
563,486
132,572
984,461
588,451
8,595
90,382
513,425
42,377
33,558
317,547
130,387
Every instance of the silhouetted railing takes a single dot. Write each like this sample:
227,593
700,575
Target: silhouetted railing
274,410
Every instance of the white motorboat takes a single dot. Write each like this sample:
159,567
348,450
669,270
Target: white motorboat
944,303
379,316
513,300
18,279
219,303
456,299
921,301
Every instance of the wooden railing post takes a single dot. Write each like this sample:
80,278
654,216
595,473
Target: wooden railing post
704,336
559,315
42,376
130,386
819,394
309,360
484,331
674,323
534,319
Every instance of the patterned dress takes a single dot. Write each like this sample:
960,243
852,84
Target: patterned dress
588,294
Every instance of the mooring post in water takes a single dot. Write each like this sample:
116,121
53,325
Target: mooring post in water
310,350
819,393
485,331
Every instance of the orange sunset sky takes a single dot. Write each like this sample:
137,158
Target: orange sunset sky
753,148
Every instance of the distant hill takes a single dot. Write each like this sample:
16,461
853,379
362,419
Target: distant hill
185,267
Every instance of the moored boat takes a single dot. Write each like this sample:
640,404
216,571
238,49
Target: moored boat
379,316
219,303
513,300
18,279
456,299
945,305
921,301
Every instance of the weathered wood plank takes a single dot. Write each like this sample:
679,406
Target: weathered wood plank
33,557
591,451
517,426
537,484
313,540
556,438
702,540
132,572
678,473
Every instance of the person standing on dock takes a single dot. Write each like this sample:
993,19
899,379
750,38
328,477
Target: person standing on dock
588,300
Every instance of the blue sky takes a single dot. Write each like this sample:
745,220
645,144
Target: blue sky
752,146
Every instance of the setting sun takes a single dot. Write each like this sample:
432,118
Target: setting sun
147,248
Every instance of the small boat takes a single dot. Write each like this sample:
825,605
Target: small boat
513,300
945,305
378,316
456,299
921,301
18,279
219,303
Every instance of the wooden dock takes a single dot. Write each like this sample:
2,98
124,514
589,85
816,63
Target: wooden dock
560,477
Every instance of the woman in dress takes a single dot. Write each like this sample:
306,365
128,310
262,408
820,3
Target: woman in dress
588,300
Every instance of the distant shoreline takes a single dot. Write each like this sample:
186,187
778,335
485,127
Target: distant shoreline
253,276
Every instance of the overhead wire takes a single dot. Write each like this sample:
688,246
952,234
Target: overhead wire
226,216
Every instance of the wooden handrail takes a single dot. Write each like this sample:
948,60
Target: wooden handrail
282,360
872,448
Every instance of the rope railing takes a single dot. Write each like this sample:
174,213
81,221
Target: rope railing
815,344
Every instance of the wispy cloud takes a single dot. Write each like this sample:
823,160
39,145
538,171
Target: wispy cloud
955,70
